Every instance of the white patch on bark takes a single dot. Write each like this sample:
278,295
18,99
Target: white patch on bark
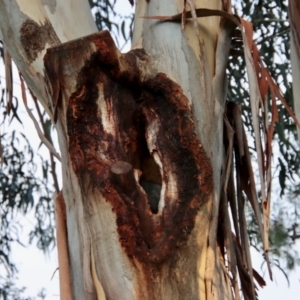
161,203
107,123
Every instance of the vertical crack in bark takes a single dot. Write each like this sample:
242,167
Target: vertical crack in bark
150,178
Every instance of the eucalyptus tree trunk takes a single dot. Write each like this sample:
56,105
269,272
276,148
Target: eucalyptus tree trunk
294,15
141,139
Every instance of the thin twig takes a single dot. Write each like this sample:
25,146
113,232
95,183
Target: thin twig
269,21
272,36
54,273
295,236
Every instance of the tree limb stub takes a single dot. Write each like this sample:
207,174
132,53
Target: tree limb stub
128,128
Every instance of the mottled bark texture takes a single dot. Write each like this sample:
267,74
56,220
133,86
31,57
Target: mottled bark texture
133,148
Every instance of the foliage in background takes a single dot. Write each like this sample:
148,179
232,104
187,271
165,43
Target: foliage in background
106,17
10,291
21,190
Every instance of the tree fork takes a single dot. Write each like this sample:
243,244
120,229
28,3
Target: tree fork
131,142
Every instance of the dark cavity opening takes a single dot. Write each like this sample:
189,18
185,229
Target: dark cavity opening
150,179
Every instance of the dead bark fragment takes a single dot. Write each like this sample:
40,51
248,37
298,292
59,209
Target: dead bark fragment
62,249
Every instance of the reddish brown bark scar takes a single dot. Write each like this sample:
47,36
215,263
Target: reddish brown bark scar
119,117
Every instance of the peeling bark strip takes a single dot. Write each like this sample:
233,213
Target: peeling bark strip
131,134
